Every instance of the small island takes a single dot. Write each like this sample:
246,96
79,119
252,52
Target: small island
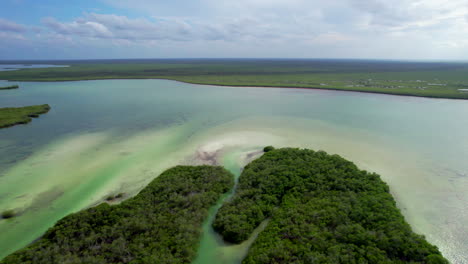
10,116
11,87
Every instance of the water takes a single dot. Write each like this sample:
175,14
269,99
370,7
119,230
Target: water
107,137
14,67
212,248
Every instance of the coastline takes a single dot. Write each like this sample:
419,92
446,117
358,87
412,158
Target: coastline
238,86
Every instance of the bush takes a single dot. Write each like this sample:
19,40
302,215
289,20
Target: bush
8,214
268,149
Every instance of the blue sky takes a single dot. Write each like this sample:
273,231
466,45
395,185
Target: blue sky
374,29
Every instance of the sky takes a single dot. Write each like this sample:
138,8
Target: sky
106,29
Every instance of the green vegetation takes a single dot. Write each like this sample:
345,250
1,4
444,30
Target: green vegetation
115,197
8,214
322,209
268,148
10,116
162,224
440,80
9,87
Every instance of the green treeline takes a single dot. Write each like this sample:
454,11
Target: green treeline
10,116
9,87
322,209
162,224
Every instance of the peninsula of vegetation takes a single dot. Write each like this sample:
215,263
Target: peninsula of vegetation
321,209
430,79
11,87
162,224
10,116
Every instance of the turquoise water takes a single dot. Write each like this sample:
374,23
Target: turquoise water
107,137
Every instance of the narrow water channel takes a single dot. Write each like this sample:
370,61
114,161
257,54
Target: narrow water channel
213,249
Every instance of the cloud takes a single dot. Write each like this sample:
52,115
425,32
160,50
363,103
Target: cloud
10,26
11,36
111,26
410,14
118,27
80,28
312,16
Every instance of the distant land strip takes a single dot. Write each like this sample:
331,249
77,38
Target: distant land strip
11,87
433,80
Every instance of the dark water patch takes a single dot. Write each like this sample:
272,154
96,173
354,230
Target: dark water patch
45,198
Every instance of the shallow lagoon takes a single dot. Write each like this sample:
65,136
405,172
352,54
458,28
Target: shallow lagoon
107,137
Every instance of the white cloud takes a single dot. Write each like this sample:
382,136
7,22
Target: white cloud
79,27
11,36
10,26
116,27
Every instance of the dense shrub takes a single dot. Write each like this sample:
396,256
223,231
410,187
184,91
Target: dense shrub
322,209
268,148
8,214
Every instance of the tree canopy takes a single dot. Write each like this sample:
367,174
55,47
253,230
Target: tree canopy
322,209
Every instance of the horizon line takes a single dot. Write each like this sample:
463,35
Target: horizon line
2,61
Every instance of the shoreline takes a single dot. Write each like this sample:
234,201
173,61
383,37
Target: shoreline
243,86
